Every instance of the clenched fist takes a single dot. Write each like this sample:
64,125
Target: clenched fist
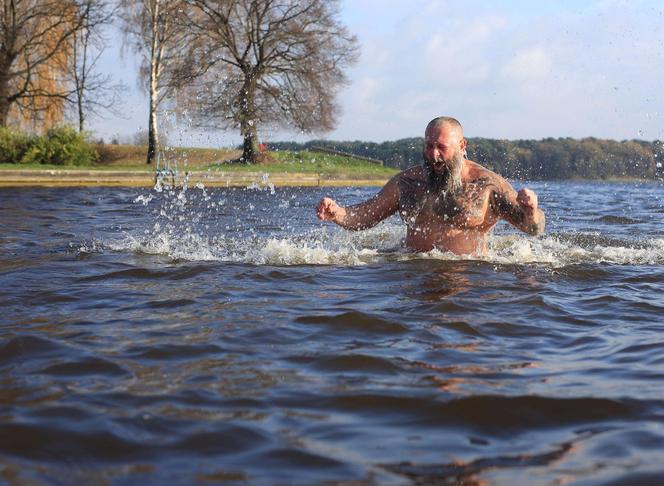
328,210
527,198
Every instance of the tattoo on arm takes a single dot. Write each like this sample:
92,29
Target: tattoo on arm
515,214
508,209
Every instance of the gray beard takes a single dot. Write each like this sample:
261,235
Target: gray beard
449,181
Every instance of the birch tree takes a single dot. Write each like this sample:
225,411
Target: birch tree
258,62
153,29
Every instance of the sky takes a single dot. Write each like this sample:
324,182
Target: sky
509,69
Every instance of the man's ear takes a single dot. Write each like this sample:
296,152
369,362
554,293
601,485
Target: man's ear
464,144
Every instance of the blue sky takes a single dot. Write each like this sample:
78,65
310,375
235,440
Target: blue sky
505,69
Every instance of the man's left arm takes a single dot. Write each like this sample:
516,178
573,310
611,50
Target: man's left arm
519,209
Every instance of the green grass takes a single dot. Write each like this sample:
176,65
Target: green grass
132,157
109,168
312,162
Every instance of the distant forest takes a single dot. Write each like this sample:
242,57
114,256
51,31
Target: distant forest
550,158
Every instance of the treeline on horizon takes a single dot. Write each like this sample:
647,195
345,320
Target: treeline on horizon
549,158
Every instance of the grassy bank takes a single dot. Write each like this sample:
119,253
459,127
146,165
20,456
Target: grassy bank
311,163
132,158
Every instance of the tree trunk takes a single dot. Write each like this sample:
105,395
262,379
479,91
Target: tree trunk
80,41
155,58
4,110
4,91
153,136
81,114
250,150
248,129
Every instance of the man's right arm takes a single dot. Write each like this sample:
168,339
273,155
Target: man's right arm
366,214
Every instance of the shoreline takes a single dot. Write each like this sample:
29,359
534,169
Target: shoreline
147,178
128,178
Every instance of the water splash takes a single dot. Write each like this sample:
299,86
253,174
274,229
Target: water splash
193,224
264,185
565,249
143,199
384,244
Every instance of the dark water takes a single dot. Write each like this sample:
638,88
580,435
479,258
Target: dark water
227,336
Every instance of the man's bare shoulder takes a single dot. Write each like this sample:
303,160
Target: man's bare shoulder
414,172
411,179
405,181
475,171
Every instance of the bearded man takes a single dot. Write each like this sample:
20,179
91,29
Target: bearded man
448,203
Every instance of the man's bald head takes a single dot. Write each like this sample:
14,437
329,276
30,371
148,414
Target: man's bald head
445,121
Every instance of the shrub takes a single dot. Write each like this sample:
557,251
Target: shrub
13,145
36,151
66,146
60,146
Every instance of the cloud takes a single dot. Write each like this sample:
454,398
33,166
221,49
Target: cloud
511,69
482,28
512,72
426,64
366,90
527,64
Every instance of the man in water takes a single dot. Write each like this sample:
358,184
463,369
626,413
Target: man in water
449,202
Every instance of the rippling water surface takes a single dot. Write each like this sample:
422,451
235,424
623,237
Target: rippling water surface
226,335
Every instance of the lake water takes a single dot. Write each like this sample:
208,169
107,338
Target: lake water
226,335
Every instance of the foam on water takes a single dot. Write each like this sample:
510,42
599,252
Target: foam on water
382,244
179,232
317,248
557,250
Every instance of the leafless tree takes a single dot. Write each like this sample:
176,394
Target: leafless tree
34,36
154,30
266,61
91,92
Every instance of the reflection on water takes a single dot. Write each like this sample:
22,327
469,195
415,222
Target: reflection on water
226,335
433,283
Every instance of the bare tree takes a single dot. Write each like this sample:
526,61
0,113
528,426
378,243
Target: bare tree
267,61
34,37
90,91
155,32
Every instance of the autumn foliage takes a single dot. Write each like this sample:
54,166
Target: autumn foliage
34,48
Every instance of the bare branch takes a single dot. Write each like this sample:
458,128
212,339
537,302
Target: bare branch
266,61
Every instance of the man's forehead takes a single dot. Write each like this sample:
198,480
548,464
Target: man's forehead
443,131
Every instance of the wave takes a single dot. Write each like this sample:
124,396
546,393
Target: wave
186,227
613,219
559,250
323,247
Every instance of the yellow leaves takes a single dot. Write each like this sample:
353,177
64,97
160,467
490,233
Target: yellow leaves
44,38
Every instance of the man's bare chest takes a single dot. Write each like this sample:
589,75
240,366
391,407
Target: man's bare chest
467,208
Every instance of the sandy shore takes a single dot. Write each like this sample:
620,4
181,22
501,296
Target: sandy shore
74,178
